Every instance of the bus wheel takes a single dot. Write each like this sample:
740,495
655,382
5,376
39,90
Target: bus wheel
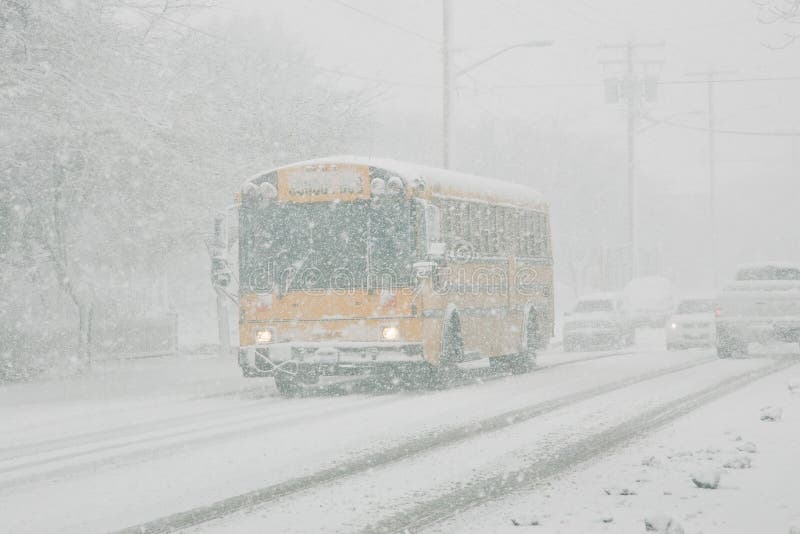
452,342
526,359
447,372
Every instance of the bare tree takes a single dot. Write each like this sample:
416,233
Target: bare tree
120,140
784,13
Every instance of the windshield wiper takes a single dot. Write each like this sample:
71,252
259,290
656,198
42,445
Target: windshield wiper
293,274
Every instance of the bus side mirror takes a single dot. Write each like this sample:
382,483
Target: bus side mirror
436,250
220,272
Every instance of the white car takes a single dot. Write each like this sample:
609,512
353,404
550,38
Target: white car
599,321
691,325
649,300
762,304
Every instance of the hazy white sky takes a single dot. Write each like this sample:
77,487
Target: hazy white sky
697,34
400,54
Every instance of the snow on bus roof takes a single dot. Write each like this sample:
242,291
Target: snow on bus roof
436,179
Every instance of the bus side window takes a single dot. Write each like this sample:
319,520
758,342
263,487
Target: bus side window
547,245
444,214
511,243
541,236
523,234
531,237
484,233
455,221
452,218
514,233
475,230
486,230
494,235
502,248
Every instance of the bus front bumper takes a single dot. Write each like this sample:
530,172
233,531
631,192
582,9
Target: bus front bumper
329,359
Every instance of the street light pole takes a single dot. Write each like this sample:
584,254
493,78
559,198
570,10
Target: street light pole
711,76
448,77
526,44
630,89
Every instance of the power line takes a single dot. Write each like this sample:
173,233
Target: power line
544,85
308,65
404,83
658,82
730,80
778,133
386,22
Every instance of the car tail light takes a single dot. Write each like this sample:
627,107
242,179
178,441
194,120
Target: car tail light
717,312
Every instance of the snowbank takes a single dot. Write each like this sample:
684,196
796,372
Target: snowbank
662,523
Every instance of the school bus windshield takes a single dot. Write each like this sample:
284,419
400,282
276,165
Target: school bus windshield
326,245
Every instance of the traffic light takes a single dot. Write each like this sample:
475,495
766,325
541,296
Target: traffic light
220,272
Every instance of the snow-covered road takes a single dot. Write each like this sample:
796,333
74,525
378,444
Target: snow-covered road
186,443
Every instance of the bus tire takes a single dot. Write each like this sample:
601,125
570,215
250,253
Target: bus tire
288,385
452,341
526,359
452,353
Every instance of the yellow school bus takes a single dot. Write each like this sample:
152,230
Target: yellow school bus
351,265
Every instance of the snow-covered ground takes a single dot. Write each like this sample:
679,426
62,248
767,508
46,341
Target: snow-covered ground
757,461
151,439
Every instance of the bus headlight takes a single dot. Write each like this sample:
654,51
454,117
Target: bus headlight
390,333
263,337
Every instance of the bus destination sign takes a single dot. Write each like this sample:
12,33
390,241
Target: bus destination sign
341,181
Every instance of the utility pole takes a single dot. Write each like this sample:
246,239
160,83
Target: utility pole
632,87
446,81
633,104
710,76
220,279
448,77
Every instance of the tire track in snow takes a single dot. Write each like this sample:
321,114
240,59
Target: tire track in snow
482,490
127,436
14,475
404,450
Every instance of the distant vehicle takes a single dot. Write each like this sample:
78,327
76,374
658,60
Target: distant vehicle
649,300
761,304
691,325
599,321
353,266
